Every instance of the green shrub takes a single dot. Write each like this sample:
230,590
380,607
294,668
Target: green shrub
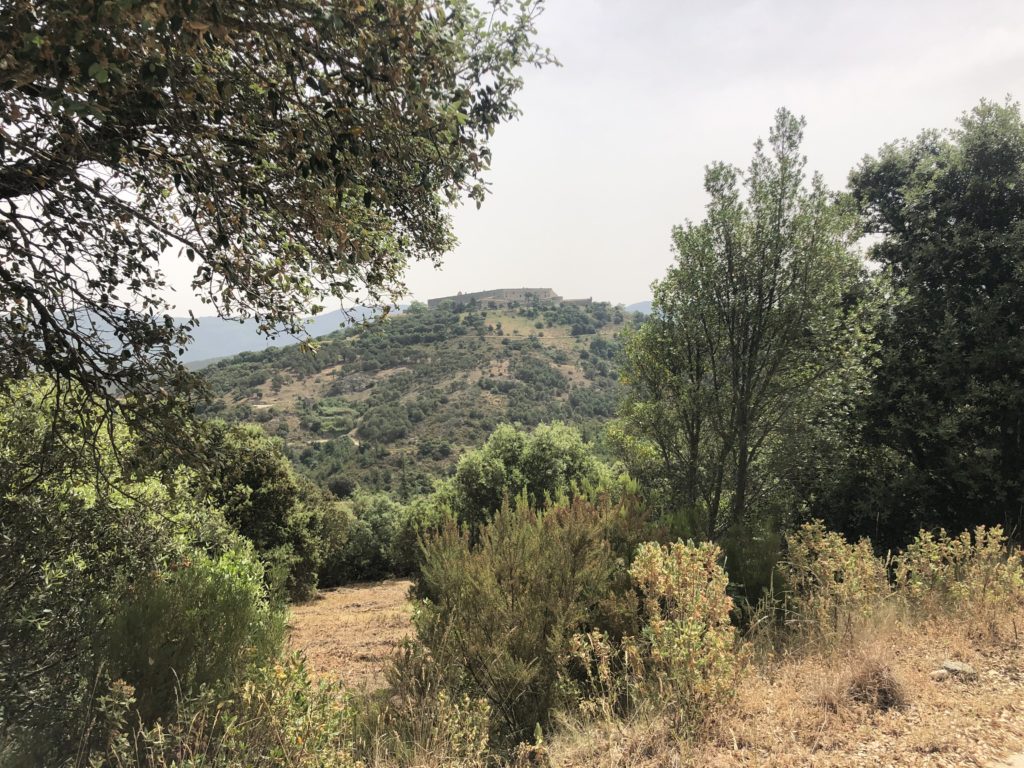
69,549
544,464
688,639
421,517
497,616
205,621
833,585
109,567
247,475
366,551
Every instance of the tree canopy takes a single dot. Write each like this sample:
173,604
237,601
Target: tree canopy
549,461
757,333
291,150
944,425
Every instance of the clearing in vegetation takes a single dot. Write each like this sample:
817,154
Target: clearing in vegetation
879,701
351,633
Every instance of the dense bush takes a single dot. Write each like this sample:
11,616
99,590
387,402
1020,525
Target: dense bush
498,615
248,476
685,663
106,570
833,585
203,622
365,550
551,460
978,573
688,636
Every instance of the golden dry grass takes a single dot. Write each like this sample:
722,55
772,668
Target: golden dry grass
351,633
832,709
870,702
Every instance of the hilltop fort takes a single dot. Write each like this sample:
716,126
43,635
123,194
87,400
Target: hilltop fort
504,297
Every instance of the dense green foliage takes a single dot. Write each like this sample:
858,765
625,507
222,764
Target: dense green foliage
502,607
370,546
204,622
389,406
943,429
110,571
293,151
739,381
540,466
378,536
248,477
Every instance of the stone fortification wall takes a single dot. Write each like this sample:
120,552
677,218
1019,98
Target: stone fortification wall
498,297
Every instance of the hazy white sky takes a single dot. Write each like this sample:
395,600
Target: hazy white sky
611,147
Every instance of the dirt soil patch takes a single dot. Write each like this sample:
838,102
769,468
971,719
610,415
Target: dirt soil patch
350,633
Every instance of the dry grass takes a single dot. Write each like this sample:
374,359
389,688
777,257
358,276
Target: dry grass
869,703
352,633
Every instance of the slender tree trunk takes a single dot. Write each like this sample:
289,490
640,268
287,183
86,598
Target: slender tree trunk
743,453
692,466
742,478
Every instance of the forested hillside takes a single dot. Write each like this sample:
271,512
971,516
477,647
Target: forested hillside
391,405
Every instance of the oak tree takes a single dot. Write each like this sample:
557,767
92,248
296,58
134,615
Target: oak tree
291,150
944,426
755,340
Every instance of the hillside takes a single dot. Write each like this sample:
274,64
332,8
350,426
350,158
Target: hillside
216,338
391,405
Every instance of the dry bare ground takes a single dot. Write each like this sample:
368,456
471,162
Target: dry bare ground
797,711
350,633
803,711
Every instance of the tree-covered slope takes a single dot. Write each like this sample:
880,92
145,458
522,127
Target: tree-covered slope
391,405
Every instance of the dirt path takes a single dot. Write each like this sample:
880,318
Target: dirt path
350,633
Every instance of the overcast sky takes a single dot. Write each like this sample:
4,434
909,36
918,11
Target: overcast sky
610,150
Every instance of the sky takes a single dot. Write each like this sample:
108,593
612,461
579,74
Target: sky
610,151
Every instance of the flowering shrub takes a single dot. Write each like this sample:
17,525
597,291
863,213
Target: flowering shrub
690,641
280,717
833,584
940,573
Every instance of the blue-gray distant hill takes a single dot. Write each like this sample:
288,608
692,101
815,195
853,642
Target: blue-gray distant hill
643,307
216,338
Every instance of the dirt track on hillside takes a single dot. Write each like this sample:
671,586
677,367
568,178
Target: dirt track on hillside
350,633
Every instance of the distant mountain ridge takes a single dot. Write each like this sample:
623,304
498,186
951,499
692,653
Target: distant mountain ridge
215,338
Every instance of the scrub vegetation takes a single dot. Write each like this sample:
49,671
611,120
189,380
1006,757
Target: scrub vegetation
775,522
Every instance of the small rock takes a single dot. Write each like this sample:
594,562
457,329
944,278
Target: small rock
960,670
939,675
